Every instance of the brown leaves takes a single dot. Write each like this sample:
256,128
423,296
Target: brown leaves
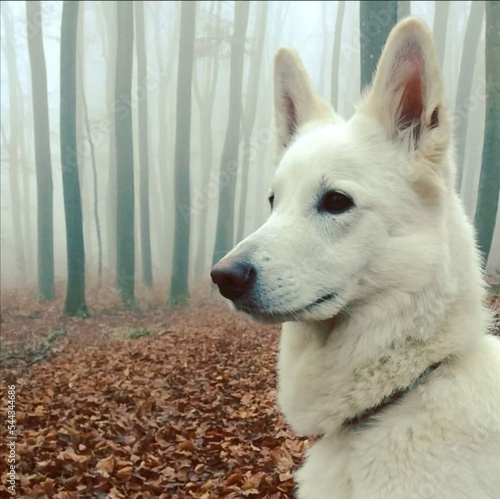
188,414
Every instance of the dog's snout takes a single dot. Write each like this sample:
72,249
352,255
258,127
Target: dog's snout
233,278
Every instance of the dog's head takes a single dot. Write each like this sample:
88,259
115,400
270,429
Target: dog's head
356,206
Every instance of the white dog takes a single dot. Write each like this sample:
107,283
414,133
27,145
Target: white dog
369,261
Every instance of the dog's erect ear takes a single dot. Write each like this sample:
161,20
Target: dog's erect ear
295,102
406,94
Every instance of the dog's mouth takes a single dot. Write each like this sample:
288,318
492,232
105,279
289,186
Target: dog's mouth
277,316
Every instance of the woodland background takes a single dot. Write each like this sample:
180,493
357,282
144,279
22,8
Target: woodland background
136,149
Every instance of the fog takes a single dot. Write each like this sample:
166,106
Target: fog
309,27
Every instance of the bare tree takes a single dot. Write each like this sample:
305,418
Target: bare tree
15,111
440,27
179,291
107,27
336,53
404,9
324,47
229,161
125,252
75,291
45,224
142,100
95,186
161,202
376,19
251,111
471,40
205,98
489,181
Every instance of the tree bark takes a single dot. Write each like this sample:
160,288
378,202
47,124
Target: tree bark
107,29
376,19
125,257
251,112
489,180
440,28
229,161
142,101
179,291
45,224
13,144
205,101
404,9
75,292
95,182
471,40
336,54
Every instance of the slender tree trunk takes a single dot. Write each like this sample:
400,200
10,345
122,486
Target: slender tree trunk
250,113
179,291
26,204
471,40
164,58
94,183
376,19
205,102
13,145
206,148
75,293
109,37
489,181
324,48
229,161
336,53
142,100
441,27
45,225
125,258
404,9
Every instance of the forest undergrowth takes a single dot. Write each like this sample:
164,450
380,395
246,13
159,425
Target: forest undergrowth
157,402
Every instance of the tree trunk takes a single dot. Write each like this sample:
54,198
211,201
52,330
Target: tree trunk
440,28
142,101
107,29
229,161
250,113
13,145
94,182
376,19
324,48
404,9
489,181
179,291
336,54
125,257
471,40
27,236
205,102
75,292
45,225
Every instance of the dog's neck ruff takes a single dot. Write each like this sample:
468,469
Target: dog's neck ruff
364,416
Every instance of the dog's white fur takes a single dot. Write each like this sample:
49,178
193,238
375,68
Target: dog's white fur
406,282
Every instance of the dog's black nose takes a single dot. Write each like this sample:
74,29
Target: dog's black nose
233,278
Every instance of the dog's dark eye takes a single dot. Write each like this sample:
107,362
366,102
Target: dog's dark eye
335,202
271,200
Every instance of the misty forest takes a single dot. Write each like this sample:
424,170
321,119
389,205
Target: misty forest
137,148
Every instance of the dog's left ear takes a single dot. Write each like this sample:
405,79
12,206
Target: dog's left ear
406,95
295,101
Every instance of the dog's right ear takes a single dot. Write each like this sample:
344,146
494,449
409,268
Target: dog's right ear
295,102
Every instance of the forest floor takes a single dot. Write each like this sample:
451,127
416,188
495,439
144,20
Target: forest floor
162,402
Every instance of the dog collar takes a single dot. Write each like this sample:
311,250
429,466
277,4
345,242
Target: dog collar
364,416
